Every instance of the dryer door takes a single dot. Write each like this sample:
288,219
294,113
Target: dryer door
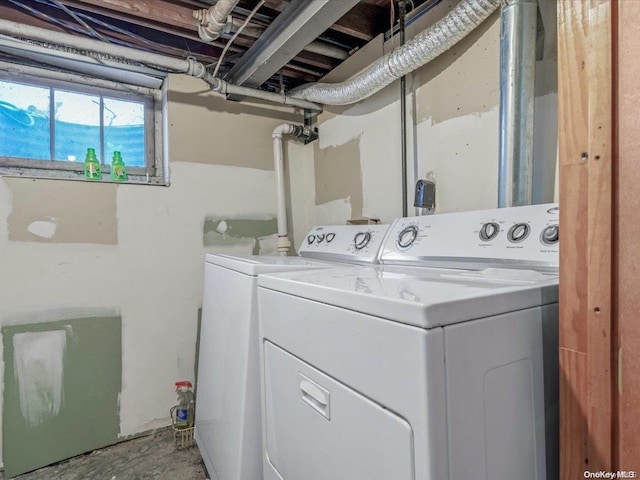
319,429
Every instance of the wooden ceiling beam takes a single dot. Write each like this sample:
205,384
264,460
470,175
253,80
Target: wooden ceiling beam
146,13
205,53
363,21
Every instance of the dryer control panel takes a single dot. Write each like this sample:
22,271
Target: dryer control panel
516,237
344,243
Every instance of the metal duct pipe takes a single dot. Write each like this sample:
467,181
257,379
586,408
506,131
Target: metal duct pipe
213,21
220,86
423,48
517,75
402,7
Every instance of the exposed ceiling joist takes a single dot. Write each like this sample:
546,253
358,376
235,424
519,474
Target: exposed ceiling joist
160,15
157,12
168,27
363,22
299,24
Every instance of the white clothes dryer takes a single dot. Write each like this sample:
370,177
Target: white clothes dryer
228,421
440,364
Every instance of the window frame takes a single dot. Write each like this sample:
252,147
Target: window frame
156,170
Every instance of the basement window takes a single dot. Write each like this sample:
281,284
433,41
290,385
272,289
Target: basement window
48,120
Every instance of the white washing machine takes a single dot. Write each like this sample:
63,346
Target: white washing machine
228,420
440,364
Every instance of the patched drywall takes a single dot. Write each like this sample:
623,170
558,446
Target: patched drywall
336,212
463,81
239,231
452,126
76,246
377,133
38,359
62,382
205,128
461,155
57,211
338,174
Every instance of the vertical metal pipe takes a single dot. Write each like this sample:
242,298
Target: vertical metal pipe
517,69
403,113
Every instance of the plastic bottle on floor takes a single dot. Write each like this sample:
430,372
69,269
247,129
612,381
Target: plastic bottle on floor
185,408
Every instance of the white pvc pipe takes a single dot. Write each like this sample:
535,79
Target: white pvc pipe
283,244
166,64
14,29
212,21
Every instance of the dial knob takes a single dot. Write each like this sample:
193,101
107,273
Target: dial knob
361,240
407,236
550,235
489,231
330,237
321,237
311,239
518,232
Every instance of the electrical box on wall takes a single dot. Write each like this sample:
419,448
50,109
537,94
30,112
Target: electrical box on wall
425,196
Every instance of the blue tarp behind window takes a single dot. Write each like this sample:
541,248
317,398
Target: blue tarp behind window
26,136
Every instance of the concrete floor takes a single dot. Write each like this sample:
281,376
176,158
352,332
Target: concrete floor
151,457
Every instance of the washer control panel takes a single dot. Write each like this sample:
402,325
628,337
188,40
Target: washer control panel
516,237
348,243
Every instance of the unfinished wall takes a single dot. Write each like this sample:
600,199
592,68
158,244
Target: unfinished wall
452,116
76,258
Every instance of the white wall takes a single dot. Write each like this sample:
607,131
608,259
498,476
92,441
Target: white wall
150,268
453,122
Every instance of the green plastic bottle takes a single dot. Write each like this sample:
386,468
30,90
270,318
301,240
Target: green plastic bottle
92,165
118,169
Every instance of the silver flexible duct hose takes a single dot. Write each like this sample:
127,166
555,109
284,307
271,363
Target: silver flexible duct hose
423,48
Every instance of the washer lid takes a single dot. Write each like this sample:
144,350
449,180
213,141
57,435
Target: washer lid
423,297
256,264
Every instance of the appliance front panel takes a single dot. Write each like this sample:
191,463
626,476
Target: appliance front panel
394,365
228,419
347,243
496,397
517,237
319,429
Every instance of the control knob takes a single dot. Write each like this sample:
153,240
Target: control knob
311,239
489,231
330,237
407,236
361,240
321,237
550,235
518,232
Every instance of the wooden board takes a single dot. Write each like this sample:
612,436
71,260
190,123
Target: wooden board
627,233
585,75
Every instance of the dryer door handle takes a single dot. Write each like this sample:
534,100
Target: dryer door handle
315,396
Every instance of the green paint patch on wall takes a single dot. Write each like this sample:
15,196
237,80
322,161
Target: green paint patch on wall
227,232
62,381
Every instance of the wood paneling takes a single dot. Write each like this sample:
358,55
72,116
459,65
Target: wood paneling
627,178
585,72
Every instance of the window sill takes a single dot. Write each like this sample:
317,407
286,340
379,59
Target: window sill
72,177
